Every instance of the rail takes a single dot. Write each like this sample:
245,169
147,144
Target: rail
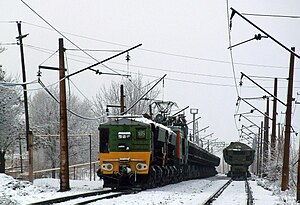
217,193
85,197
249,193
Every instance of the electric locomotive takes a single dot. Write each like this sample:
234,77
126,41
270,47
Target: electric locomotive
136,151
240,156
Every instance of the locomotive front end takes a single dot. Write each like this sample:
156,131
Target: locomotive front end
124,153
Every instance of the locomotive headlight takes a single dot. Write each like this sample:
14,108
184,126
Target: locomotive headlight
141,167
107,167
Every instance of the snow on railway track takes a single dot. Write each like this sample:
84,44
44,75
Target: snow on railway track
97,198
236,188
192,192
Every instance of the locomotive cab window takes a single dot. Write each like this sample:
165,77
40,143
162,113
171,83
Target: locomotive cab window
104,136
141,133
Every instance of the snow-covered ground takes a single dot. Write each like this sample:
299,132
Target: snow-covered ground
188,192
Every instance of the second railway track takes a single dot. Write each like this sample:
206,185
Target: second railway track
236,186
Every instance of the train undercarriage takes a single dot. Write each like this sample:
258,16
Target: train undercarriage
157,176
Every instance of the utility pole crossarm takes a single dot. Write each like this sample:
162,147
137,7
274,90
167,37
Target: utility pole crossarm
268,35
103,61
193,120
123,113
243,74
255,108
180,111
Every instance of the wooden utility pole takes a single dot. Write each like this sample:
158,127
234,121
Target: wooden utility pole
122,104
20,38
287,130
261,148
298,177
266,138
64,155
258,153
273,135
30,155
280,140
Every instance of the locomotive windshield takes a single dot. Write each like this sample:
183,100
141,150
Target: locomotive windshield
104,136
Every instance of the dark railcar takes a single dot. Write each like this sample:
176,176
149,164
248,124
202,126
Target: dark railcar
240,156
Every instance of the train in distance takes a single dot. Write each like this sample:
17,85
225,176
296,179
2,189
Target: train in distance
240,156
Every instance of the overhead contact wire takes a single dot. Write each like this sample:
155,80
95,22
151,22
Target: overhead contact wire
61,33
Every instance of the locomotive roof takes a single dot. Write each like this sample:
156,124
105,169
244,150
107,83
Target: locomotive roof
133,120
238,146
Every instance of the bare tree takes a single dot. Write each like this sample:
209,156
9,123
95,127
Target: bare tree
44,115
133,89
10,118
2,48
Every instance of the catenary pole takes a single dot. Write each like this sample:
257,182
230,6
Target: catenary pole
287,130
20,38
266,138
261,148
122,104
273,134
30,156
64,156
258,153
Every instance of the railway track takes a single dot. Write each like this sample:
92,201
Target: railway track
237,185
85,198
217,193
249,193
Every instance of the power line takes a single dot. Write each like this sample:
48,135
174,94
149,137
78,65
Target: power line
49,51
80,116
271,15
179,72
230,46
8,22
8,44
172,71
60,32
167,53
96,50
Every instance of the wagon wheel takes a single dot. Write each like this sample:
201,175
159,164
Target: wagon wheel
151,178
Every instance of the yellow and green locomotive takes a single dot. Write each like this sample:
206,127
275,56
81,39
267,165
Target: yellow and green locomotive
138,152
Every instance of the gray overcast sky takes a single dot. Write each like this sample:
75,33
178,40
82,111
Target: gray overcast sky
187,40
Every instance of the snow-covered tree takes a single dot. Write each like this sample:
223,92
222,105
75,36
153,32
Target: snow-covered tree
44,116
10,117
2,48
133,90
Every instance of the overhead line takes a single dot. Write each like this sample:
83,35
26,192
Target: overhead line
271,15
49,51
60,32
230,50
165,53
82,117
